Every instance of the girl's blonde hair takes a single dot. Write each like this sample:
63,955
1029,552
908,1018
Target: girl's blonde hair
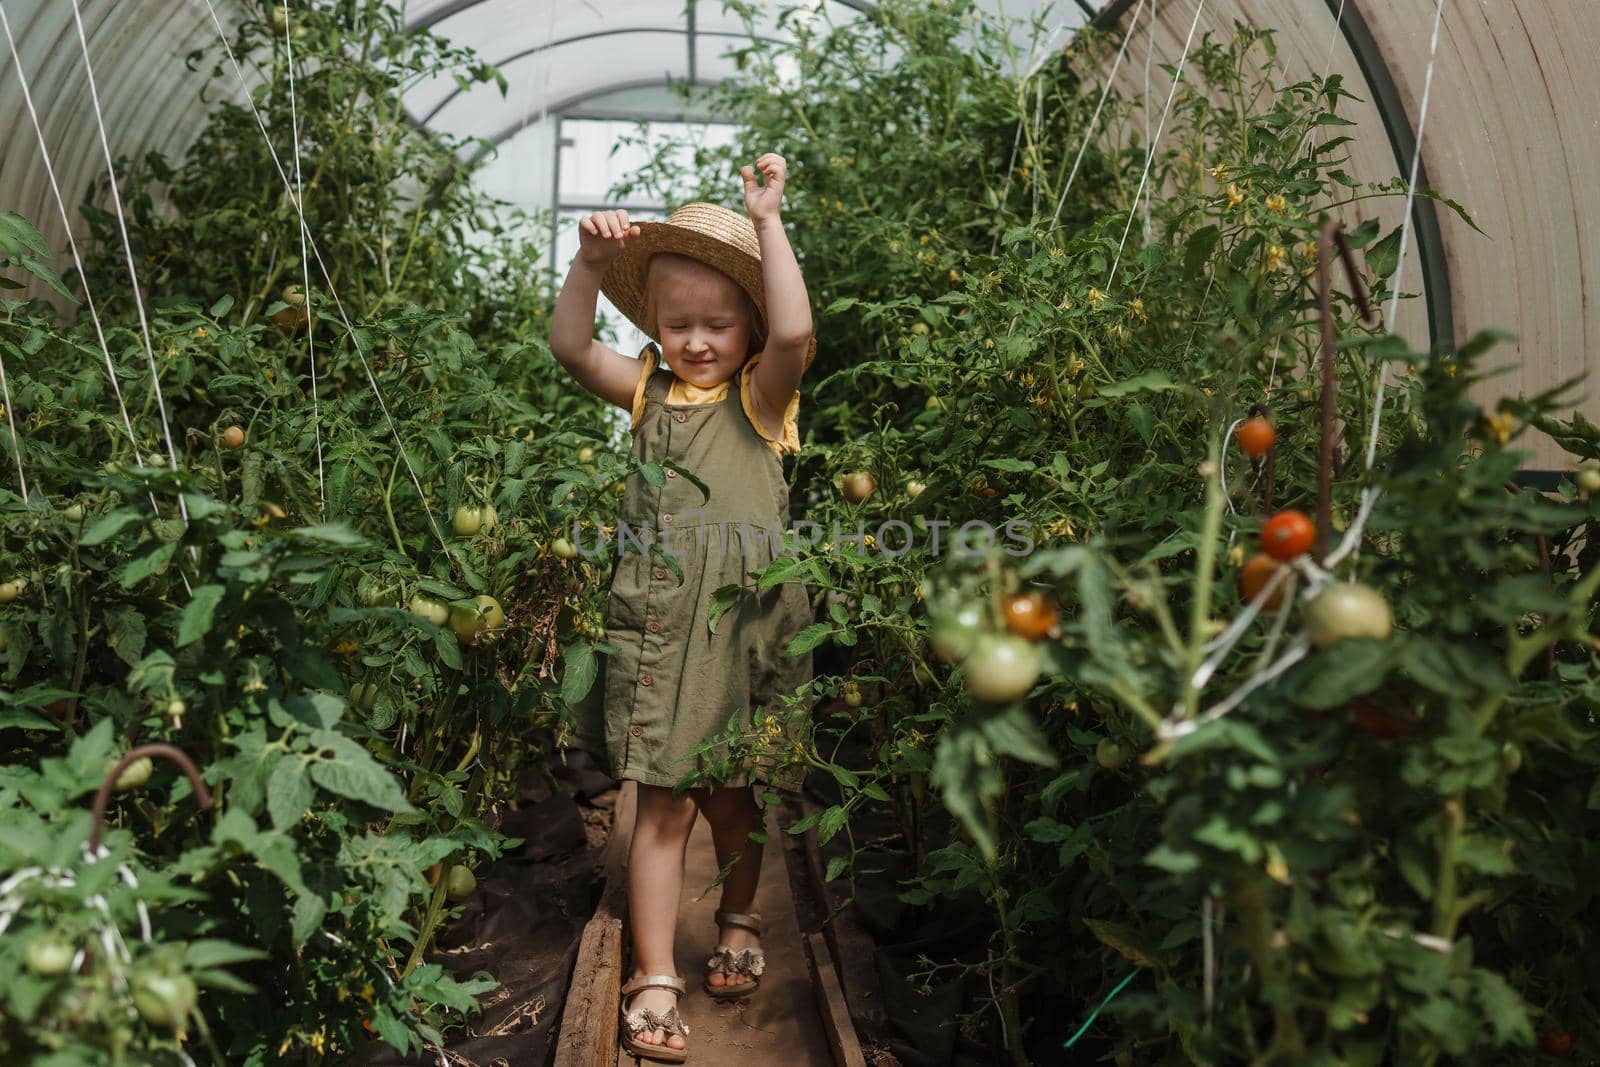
758,329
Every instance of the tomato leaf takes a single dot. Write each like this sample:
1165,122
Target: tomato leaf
109,525
199,613
1338,674
1149,382
289,793
581,669
351,772
1130,943
808,639
1015,733
444,642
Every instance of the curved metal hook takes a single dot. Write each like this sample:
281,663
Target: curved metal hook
103,796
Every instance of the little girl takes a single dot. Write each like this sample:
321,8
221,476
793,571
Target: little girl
724,296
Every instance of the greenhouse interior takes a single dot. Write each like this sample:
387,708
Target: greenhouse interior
1140,456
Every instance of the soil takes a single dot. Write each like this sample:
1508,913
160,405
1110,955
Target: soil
523,924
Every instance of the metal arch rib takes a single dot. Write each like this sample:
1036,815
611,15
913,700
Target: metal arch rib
578,39
455,7
501,136
1402,141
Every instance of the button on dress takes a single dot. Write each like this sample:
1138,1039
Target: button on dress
673,684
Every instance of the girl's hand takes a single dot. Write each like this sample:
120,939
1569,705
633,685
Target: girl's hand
762,201
602,236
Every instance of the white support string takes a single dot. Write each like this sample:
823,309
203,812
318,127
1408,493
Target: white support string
305,265
77,258
327,276
127,247
1094,120
1150,157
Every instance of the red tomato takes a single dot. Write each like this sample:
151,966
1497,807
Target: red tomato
1256,437
1556,1044
1287,534
1378,722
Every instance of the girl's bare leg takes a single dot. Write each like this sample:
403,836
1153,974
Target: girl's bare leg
733,814
655,885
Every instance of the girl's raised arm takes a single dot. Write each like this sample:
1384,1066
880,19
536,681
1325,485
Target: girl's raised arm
789,324
597,367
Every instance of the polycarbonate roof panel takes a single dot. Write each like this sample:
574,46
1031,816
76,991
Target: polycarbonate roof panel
557,53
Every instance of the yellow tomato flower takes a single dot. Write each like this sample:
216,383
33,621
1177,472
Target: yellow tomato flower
1235,196
1277,256
1277,203
1219,172
200,333
1096,297
1501,425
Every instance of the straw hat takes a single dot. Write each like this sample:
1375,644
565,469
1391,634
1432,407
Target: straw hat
714,235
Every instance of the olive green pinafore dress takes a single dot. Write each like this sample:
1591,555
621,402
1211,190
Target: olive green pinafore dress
673,683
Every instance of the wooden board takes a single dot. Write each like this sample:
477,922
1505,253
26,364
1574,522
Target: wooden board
777,1027
588,1036
831,1004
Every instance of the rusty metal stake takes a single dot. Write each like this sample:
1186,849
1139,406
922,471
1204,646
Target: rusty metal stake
1332,237
103,796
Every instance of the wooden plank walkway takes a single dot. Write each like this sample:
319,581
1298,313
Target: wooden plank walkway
778,1027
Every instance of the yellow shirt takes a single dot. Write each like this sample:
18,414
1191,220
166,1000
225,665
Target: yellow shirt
682,392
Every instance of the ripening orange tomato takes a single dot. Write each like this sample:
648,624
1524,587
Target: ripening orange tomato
1256,437
1029,615
1257,571
1288,534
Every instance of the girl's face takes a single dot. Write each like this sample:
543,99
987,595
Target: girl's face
703,317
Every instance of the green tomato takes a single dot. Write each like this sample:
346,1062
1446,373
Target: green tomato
914,488
1001,668
134,774
1109,754
49,954
164,999
1511,757
954,634
483,616
585,454
1347,609
460,883
467,520
432,610
73,513
10,591
1589,479
563,548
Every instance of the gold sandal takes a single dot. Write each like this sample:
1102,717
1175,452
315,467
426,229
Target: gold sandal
749,962
639,1020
